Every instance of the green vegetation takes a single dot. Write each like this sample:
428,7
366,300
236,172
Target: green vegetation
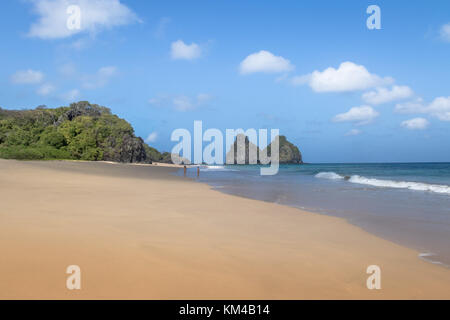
82,131
152,153
289,153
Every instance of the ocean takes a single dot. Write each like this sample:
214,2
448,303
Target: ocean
407,203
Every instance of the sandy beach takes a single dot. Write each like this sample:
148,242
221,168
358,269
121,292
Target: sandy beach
139,232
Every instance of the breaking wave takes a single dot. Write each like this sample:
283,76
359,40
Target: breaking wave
329,175
417,186
215,168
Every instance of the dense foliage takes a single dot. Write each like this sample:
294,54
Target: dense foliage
288,152
82,131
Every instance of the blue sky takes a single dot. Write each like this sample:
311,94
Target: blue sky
341,92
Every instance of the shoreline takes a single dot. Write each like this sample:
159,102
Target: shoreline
420,223
421,255
186,241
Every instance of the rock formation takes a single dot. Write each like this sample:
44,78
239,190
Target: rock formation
289,153
247,155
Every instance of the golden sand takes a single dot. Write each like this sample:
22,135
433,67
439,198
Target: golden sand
138,232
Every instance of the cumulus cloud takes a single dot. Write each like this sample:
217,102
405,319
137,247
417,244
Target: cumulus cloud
45,89
347,77
359,115
265,61
152,137
27,77
181,50
181,102
96,15
415,124
439,108
100,78
445,32
353,132
384,95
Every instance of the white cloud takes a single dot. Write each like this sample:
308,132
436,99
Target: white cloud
348,77
96,15
384,95
265,61
353,132
360,115
182,102
415,124
99,79
27,77
71,96
180,50
445,32
152,137
45,89
439,108
301,80
416,106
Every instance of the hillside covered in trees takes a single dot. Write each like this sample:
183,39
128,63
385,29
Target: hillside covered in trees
82,131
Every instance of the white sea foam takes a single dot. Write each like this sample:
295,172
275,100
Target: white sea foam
418,186
329,175
427,257
215,168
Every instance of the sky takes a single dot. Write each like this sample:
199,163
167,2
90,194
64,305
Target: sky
339,90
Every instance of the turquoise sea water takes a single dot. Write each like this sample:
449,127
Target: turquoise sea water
408,203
